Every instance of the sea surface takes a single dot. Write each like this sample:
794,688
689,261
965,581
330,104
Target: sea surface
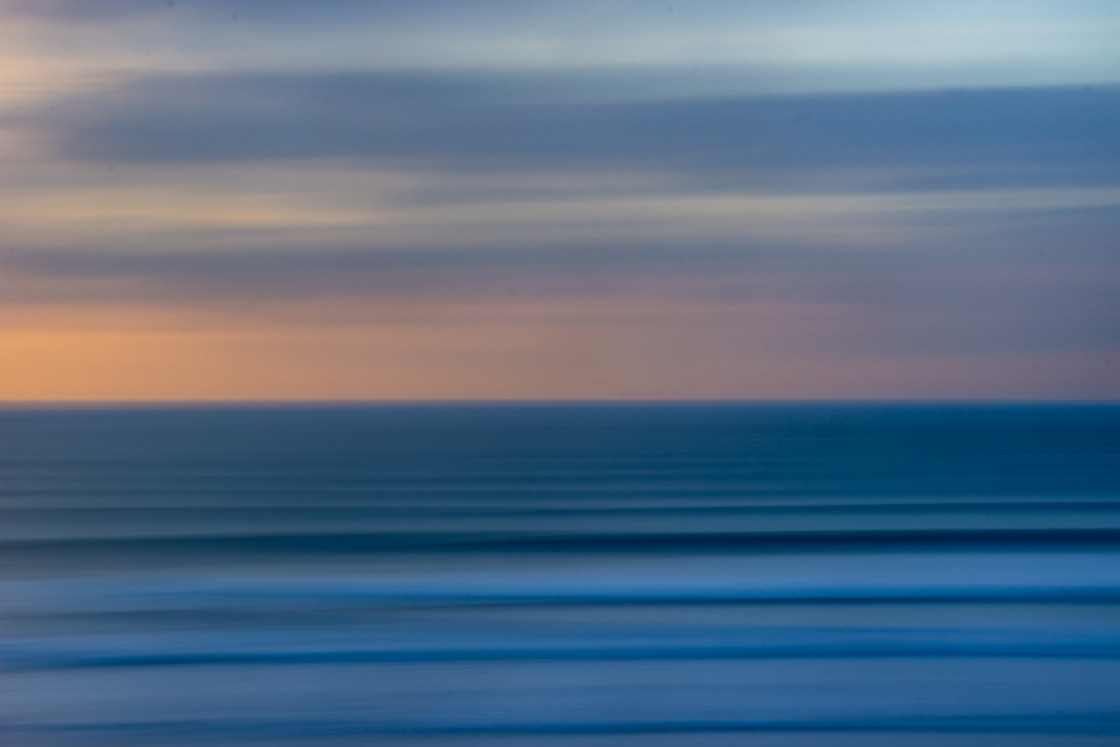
709,574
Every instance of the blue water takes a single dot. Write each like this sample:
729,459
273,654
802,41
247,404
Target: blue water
545,575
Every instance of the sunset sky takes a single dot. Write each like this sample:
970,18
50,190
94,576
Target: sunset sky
438,199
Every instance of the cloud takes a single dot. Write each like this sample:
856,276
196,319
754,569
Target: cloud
110,11
1034,291
521,122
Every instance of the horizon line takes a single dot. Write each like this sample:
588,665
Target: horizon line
561,402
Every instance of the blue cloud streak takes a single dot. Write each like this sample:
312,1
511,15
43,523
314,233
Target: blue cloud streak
949,139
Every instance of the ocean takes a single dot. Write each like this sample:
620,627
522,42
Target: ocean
546,574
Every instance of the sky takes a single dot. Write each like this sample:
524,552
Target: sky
436,199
